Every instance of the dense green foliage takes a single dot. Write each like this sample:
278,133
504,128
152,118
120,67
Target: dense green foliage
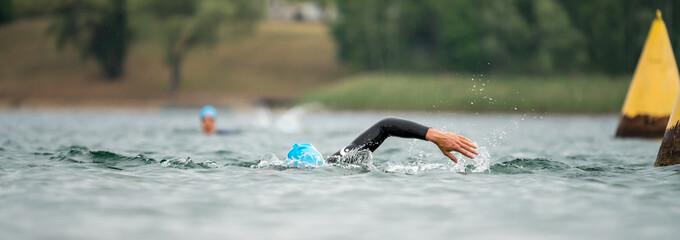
98,28
6,11
527,36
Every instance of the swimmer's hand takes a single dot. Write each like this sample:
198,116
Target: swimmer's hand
448,142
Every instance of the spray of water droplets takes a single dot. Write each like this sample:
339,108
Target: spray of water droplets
478,86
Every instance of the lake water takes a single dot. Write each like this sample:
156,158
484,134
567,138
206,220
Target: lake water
152,175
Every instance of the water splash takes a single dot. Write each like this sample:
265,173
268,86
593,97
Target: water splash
477,165
465,165
357,157
263,117
187,163
413,168
209,164
415,152
289,121
478,87
269,160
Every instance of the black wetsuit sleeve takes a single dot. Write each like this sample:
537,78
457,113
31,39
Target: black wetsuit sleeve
376,134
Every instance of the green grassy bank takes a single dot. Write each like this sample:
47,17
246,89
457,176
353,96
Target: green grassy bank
465,92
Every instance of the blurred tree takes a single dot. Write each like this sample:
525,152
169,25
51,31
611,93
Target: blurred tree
191,23
6,11
615,30
99,28
559,46
384,34
472,34
28,8
527,36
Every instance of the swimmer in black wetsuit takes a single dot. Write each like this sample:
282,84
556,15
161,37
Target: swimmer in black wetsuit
373,137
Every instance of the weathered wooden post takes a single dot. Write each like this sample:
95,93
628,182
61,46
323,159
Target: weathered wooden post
669,152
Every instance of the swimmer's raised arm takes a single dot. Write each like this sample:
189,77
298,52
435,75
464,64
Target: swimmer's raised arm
373,137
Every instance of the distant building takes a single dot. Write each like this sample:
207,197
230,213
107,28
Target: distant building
309,11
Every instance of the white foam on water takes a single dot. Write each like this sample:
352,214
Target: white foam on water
479,164
269,160
415,168
176,162
210,164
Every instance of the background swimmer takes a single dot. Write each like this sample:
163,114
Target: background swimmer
208,116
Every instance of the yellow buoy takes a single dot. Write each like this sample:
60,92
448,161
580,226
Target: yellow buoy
654,88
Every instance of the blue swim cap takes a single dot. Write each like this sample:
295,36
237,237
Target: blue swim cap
208,110
304,155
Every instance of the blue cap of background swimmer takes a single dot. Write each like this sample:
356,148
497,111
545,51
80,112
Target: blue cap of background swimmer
208,110
304,155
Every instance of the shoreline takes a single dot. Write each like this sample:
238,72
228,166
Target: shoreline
237,104
143,104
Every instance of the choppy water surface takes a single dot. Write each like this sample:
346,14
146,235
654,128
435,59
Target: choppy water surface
119,175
